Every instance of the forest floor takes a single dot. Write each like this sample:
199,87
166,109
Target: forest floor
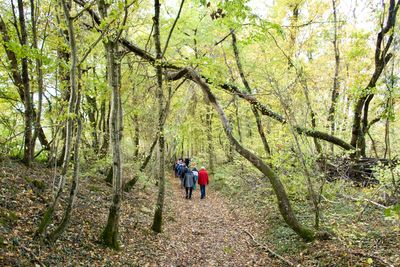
210,232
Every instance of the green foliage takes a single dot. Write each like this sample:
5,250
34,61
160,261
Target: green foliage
393,212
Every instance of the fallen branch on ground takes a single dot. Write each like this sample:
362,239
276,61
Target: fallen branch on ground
366,200
273,253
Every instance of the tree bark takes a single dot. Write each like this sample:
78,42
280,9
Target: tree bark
158,214
110,234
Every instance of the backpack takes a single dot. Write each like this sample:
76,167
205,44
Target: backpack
189,175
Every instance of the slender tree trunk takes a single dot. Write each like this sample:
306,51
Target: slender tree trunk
48,215
39,74
93,123
28,113
75,81
238,122
106,133
158,214
248,89
312,115
336,84
75,179
16,74
65,75
136,137
293,31
210,145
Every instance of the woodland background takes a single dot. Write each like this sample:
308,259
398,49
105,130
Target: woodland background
292,106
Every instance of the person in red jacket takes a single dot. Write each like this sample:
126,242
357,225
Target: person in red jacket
203,181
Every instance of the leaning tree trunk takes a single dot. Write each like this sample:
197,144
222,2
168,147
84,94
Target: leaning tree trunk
283,201
158,214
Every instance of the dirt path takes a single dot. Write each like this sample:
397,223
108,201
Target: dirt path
207,233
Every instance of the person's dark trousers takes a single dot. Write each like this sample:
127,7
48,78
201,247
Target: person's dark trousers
189,191
203,191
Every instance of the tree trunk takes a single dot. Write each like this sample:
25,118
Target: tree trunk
28,113
75,84
336,84
210,146
158,214
382,57
106,132
75,183
283,201
248,89
39,74
93,123
110,235
65,74
48,216
317,145
136,137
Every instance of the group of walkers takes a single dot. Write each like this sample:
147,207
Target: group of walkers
191,176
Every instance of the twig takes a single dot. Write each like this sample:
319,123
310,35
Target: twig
269,250
172,28
33,255
330,201
366,200
223,39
